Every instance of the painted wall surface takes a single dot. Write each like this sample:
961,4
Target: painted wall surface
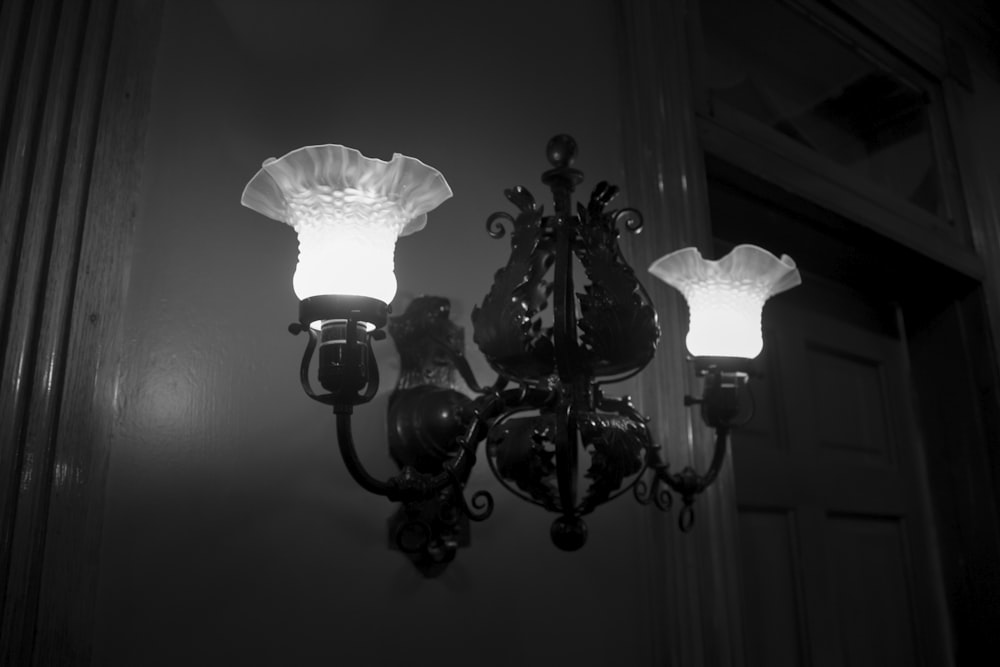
233,535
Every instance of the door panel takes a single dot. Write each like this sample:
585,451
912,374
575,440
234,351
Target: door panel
848,404
833,538
870,575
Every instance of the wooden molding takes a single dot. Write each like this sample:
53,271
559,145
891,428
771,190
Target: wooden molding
694,577
754,148
73,121
901,24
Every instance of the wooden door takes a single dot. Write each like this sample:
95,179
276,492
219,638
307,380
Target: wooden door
836,550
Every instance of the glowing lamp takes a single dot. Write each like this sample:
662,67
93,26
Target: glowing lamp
554,344
725,297
348,210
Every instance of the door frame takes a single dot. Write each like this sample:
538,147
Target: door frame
75,83
665,146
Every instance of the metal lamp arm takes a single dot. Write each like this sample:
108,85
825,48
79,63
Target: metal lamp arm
409,484
725,381
688,483
348,452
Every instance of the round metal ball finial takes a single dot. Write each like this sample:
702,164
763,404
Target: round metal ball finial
569,533
561,150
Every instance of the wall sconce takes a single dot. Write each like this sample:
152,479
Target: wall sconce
554,349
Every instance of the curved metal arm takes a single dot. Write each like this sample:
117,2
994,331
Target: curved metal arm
408,485
411,485
687,483
484,410
345,440
725,380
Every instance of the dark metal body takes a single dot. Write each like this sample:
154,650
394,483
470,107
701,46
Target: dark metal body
425,420
557,357
604,334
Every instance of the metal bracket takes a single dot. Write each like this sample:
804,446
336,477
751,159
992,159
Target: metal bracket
426,419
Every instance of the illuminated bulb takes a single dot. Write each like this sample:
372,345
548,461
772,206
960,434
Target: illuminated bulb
348,211
725,297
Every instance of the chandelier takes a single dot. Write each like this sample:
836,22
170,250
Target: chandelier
553,435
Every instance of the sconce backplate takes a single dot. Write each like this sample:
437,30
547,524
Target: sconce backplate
425,420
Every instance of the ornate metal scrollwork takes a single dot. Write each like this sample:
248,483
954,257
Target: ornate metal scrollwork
720,404
553,438
425,424
618,322
522,453
507,326
534,449
618,445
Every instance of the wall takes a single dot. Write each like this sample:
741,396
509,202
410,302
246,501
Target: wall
232,533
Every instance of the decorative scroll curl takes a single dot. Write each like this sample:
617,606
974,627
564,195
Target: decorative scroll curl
618,322
630,218
506,325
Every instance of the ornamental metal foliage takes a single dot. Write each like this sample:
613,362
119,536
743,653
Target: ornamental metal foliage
618,328
553,437
529,329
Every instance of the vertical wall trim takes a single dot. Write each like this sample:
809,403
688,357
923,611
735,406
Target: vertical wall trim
695,619
22,249
972,121
30,346
14,16
72,137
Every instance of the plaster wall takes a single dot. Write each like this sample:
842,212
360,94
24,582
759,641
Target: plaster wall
233,535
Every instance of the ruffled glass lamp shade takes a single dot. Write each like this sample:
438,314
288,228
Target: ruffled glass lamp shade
726,296
348,211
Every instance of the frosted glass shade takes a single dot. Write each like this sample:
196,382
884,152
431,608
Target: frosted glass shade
725,297
348,211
